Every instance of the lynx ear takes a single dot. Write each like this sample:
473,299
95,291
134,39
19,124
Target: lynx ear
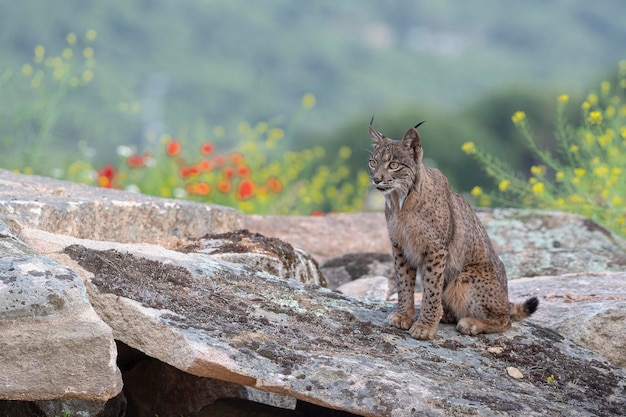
412,137
376,136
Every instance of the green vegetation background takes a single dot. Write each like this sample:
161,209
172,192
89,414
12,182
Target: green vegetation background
465,67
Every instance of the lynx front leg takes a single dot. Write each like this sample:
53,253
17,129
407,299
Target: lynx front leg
405,280
434,264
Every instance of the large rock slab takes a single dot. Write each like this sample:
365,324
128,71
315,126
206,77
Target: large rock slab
28,201
589,309
226,321
53,344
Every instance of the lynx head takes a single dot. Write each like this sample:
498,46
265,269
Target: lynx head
395,164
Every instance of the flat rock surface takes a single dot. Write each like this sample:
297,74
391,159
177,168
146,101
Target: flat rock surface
589,309
216,319
52,343
29,201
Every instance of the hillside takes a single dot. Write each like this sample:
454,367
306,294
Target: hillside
195,65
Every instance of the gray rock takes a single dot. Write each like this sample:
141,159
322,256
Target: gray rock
262,253
53,343
535,243
372,287
28,201
589,309
221,320
346,268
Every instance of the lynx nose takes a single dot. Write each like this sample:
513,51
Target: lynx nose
376,180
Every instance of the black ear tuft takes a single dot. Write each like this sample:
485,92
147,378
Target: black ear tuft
417,125
372,121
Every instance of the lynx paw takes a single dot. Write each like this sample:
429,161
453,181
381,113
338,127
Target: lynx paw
400,321
468,325
422,332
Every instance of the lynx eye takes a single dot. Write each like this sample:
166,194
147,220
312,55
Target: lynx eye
372,163
394,165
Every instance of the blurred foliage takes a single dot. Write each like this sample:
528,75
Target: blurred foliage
582,172
218,63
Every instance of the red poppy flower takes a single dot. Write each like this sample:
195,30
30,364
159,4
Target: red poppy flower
173,147
136,161
275,185
204,165
229,173
107,171
244,170
188,171
224,186
245,189
206,148
200,189
237,158
317,213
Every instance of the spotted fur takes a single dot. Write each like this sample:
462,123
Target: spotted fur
434,231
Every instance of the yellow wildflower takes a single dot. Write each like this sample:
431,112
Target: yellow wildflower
595,117
275,133
504,184
345,152
538,188
67,54
559,176
580,172
601,171
605,87
616,171
538,170
27,70
87,76
575,199
40,52
563,98
617,201
261,127
476,191
592,98
518,117
469,147
71,38
622,132
91,34
605,139
308,101
88,52
610,112
574,148
586,105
